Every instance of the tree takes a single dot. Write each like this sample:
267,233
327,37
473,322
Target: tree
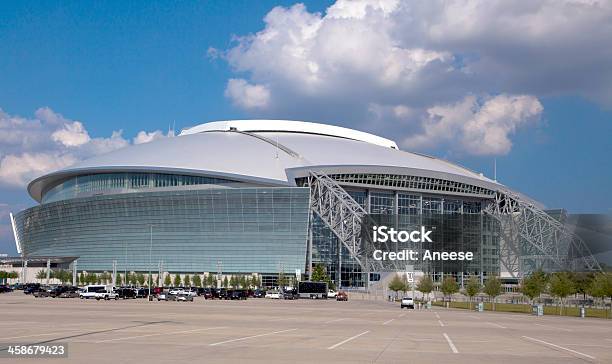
449,286
140,279
242,282
425,285
493,288
247,282
104,277
534,284
282,280
472,288
82,278
561,285
177,280
42,274
133,278
319,274
582,282
210,280
256,282
601,286
63,275
197,281
225,282
167,280
118,279
397,284
187,280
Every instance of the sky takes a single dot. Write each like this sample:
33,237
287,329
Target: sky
525,85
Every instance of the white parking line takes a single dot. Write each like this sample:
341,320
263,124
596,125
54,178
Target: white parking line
402,315
554,327
437,316
450,343
160,333
441,324
250,337
497,325
386,322
347,340
559,347
336,320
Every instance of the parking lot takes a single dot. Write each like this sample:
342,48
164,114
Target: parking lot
262,330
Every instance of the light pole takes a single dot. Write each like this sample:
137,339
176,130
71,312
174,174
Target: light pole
150,253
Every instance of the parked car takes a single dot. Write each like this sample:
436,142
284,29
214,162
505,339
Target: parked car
157,290
184,297
5,289
290,294
259,293
90,291
125,292
237,294
331,293
142,293
70,292
208,294
275,295
42,292
175,291
221,293
165,296
31,288
407,302
193,292
342,296
57,291
106,295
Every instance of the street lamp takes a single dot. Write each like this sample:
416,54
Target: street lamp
150,253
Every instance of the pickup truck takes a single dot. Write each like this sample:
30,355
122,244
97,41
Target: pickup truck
99,295
106,295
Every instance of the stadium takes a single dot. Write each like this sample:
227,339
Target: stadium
270,196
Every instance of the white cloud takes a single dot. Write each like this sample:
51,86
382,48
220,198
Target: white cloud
246,95
145,137
479,127
49,141
20,169
360,60
71,134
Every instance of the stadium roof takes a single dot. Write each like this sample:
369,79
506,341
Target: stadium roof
270,152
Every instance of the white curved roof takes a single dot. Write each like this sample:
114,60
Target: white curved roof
265,157
290,126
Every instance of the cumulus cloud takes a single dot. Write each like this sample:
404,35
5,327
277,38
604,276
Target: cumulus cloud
246,95
146,137
480,126
389,62
30,147
71,135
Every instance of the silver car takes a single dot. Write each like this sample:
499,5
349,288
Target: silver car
165,296
184,297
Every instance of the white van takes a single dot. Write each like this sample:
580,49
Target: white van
91,290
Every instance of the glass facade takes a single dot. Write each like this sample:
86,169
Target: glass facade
112,183
462,227
235,230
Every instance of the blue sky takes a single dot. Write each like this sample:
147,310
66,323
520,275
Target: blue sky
538,102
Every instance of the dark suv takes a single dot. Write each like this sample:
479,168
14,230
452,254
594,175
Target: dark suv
126,292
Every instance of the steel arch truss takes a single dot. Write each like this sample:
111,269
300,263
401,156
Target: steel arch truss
345,217
533,240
